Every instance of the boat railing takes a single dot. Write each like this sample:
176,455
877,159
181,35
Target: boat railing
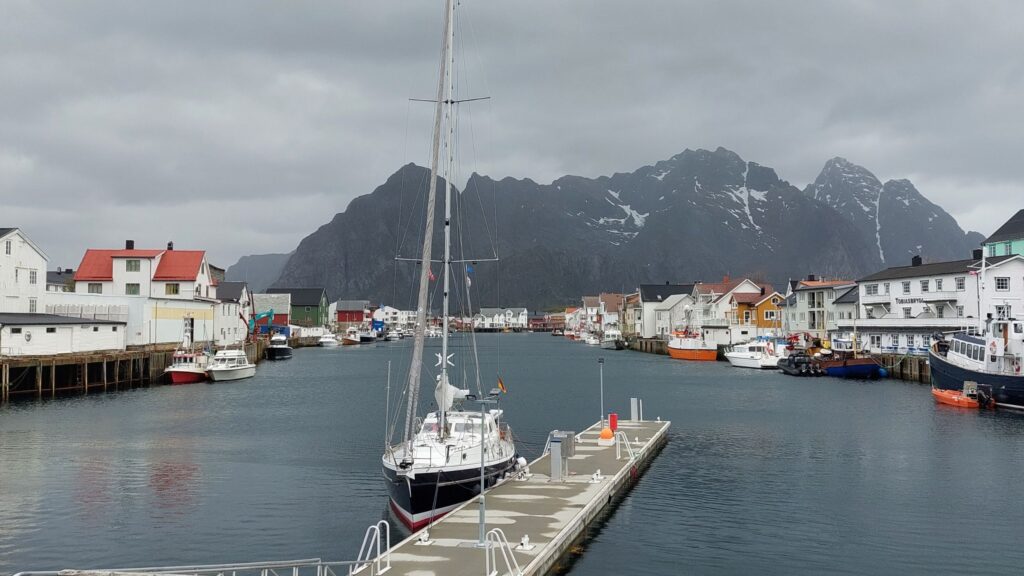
622,440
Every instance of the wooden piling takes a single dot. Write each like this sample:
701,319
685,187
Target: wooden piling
39,380
53,379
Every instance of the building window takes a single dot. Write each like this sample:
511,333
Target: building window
1002,312
769,315
51,330
172,289
1002,284
1006,249
938,284
32,276
31,305
131,289
961,283
876,340
959,311
924,285
95,328
15,330
95,288
906,287
886,285
307,309
132,265
940,311
113,328
7,247
895,340
991,250
871,289
906,312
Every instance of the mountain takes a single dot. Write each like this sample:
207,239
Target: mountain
698,215
259,270
899,220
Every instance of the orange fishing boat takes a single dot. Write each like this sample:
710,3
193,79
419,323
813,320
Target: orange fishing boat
686,345
954,398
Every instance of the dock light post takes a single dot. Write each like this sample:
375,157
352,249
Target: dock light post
491,398
600,364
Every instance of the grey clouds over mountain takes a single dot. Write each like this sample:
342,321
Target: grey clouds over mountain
239,126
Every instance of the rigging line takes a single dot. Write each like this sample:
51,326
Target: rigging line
485,81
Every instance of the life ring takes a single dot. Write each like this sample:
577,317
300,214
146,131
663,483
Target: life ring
992,347
770,348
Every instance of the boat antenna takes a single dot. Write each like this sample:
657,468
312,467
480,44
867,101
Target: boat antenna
416,365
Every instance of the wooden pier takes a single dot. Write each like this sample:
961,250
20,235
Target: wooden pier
555,516
88,373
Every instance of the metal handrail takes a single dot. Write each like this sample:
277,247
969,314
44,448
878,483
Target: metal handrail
496,539
622,439
368,547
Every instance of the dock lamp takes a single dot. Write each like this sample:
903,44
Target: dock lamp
491,398
600,364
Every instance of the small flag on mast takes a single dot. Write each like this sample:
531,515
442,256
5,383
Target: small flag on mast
501,386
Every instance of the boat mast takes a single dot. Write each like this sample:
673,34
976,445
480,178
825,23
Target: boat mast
416,365
449,169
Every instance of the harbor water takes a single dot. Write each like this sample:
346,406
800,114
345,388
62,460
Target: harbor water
763,473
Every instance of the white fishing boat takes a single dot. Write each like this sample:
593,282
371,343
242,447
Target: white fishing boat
611,339
231,364
355,336
592,340
757,354
328,340
278,348
451,454
188,365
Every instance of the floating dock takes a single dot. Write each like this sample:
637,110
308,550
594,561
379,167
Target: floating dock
554,515
534,521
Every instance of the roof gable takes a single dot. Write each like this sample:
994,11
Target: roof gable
302,296
659,292
4,232
1013,229
179,265
231,291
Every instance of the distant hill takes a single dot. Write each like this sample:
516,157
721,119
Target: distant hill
258,270
699,215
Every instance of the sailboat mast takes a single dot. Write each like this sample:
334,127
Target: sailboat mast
449,169
416,365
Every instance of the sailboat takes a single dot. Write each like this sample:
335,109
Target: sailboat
444,460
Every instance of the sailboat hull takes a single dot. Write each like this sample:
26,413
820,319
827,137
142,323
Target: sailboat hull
430,495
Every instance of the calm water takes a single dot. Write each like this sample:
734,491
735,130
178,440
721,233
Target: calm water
763,473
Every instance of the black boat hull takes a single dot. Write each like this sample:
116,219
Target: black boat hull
278,353
1007,391
429,496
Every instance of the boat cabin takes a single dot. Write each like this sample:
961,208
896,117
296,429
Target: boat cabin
999,351
230,359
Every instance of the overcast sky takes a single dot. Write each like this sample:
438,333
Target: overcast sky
240,127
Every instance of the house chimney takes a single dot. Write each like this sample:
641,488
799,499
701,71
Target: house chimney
915,261
129,244
59,270
666,282
69,270
811,277
725,279
762,290
977,253
170,245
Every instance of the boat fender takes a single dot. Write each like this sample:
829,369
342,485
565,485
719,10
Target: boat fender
992,347
1016,365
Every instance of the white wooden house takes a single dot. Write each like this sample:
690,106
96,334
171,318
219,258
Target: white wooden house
22,273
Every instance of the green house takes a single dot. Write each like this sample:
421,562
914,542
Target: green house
1008,239
310,306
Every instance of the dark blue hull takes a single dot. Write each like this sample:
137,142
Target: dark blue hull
855,368
1006,391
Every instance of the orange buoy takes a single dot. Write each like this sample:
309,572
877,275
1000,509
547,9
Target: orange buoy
606,434
954,398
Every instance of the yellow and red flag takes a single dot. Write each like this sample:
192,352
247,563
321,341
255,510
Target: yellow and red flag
501,386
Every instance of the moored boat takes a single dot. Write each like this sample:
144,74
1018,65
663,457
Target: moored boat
686,345
755,354
278,348
842,365
799,363
188,365
955,398
231,364
355,336
986,366
328,341
556,332
612,339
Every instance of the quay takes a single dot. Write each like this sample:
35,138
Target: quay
554,516
91,372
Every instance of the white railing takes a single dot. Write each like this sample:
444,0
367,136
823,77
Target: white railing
372,543
496,540
623,440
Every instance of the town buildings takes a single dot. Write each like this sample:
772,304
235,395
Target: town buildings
352,313
1008,239
22,273
501,318
811,310
48,334
644,317
308,306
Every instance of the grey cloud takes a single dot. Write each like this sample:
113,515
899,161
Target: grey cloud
242,126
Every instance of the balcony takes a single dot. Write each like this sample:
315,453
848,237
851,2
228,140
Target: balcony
944,324
876,299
